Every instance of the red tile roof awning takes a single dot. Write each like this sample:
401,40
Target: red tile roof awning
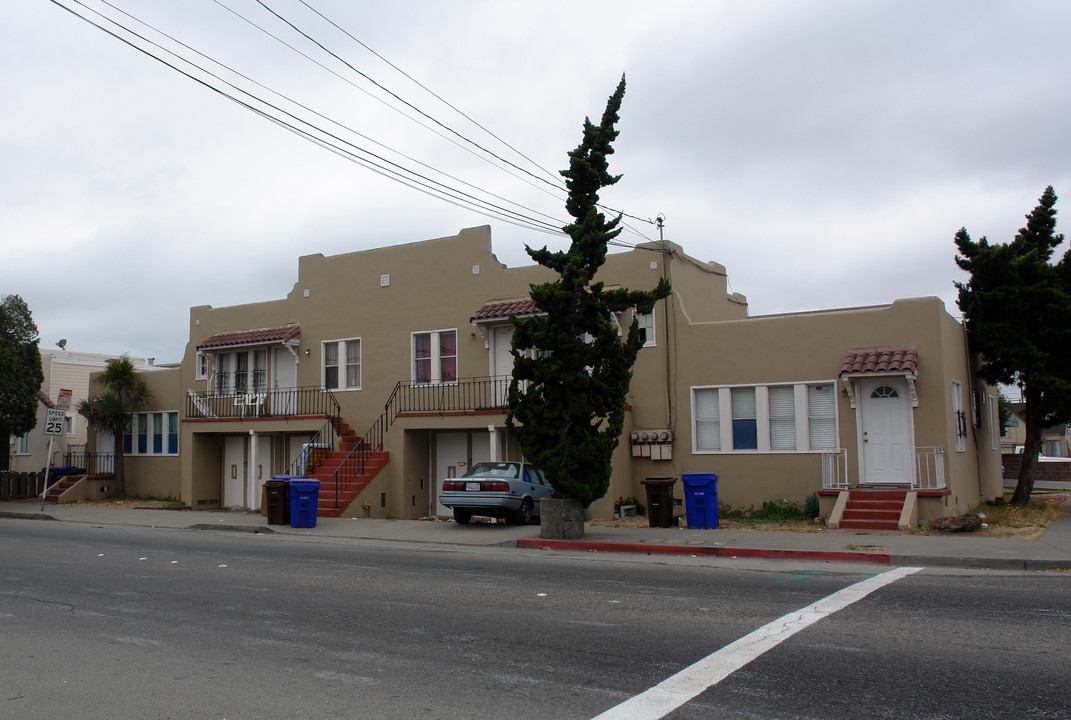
262,336
502,310
899,360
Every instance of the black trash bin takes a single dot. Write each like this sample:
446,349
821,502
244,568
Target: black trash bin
701,499
278,491
659,501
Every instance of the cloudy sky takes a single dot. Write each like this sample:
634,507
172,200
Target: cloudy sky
824,152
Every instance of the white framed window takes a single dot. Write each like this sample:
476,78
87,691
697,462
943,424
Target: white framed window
646,328
152,433
745,419
994,423
959,417
22,444
342,364
200,366
822,416
783,418
434,356
69,427
1052,448
707,414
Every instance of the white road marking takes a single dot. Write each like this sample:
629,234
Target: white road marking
674,691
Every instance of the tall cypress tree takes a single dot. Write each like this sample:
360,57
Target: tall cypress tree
572,367
1017,309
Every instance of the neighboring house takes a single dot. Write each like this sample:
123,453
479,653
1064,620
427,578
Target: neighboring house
63,370
382,372
1054,439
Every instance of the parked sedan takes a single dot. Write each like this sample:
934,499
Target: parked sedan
509,490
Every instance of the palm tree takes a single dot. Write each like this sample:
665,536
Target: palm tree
113,410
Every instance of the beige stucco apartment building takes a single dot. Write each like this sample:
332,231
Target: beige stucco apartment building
384,371
63,370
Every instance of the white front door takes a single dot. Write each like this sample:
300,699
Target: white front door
451,460
284,379
887,435
503,362
234,471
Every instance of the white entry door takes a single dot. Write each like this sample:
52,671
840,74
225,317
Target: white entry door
451,460
234,471
284,380
503,363
887,434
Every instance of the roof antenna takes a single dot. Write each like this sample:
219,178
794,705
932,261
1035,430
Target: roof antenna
62,344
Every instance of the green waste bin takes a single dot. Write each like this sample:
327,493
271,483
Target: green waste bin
659,501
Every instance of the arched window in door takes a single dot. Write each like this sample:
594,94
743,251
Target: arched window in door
882,392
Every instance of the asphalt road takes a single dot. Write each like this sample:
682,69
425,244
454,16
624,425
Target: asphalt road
123,622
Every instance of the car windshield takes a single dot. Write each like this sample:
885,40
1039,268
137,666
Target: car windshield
493,469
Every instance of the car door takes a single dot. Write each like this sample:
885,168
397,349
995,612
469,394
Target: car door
537,486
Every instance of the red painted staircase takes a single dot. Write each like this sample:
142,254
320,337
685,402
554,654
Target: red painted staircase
353,482
869,509
61,486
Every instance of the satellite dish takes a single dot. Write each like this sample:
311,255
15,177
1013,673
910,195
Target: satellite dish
62,344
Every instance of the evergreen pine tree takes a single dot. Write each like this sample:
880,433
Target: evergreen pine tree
572,367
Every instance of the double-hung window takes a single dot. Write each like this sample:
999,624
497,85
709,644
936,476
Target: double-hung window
707,420
782,417
645,322
342,364
795,417
435,357
745,427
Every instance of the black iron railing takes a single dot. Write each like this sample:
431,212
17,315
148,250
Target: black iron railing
464,395
281,402
80,461
324,441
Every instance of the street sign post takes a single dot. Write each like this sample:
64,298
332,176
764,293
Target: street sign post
55,419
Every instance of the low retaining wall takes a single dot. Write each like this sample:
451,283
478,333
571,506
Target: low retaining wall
1054,469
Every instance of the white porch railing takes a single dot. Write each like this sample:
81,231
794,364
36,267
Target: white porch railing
834,469
928,463
929,468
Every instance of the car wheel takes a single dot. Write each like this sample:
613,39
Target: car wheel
523,514
462,517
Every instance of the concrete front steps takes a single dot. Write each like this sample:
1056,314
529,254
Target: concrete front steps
55,492
869,509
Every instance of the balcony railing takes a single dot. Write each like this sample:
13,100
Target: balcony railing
463,395
283,402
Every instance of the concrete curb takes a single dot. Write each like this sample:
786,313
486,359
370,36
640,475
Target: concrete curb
706,551
26,516
253,529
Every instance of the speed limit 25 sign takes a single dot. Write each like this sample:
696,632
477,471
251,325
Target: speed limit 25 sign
54,421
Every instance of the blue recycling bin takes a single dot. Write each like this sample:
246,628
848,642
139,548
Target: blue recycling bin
303,496
701,500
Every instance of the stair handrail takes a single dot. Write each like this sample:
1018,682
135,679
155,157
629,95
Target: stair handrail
371,442
324,437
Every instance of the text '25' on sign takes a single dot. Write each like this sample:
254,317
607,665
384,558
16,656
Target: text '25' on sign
54,421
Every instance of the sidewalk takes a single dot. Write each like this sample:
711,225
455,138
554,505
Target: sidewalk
1051,551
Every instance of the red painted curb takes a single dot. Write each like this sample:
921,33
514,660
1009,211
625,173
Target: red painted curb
705,551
